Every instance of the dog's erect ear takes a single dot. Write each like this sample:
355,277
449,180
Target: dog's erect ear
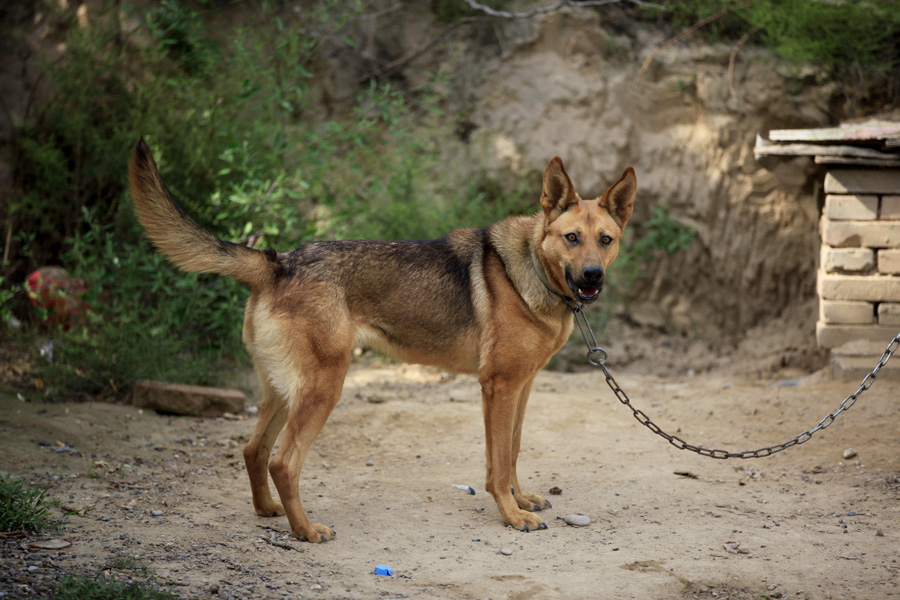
619,198
558,193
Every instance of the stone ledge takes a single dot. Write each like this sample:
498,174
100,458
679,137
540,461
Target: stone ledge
192,400
861,234
862,181
889,261
871,288
855,360
851,207
889,314
832,336
846,312
843,260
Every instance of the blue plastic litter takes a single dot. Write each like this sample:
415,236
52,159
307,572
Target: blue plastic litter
384,570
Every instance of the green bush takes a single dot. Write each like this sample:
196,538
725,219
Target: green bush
23,508
848,37
246,152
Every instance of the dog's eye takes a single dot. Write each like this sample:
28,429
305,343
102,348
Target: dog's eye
572,237
606,240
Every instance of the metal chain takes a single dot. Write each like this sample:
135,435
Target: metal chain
597,357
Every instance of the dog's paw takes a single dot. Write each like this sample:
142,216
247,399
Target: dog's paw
525,521
532,502
272,510
317,533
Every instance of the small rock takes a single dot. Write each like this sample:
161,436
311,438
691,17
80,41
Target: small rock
370,463
32,568
505,551
849,453
577,520
316,588
555,490
879,533
735,548
157,513
54,544
852,513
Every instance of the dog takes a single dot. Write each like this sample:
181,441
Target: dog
491,301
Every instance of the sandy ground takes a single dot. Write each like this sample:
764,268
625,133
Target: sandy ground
170,493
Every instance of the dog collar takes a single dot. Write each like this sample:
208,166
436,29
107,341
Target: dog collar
542,275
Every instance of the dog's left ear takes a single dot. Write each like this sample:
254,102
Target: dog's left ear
618,200
558,193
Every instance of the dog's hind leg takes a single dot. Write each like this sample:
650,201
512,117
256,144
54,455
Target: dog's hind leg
320,391
272,414
525,501
500,396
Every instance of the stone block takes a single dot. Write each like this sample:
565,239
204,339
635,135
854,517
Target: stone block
890,208
889,261
862,181
851,208
861,234
847,260
856,368
832,336
193,400
846,312
889,313
871,288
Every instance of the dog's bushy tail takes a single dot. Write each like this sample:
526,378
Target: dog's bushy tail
180,238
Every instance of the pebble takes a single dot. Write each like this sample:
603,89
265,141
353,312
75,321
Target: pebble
505,551
555,490
157,513
577,520
849,453
370,464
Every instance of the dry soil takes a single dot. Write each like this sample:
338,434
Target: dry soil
170,493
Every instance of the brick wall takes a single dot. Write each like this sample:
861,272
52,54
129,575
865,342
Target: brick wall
859,275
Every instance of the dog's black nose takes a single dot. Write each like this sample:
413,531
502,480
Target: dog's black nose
593,274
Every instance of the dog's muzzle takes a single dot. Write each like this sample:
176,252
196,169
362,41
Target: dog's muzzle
588,285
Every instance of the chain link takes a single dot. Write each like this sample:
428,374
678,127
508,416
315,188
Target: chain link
597,357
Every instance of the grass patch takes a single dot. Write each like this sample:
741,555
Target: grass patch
106,587
22,508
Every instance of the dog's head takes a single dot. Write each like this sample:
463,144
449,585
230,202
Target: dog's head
581,237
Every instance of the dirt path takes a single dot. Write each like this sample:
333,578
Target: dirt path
171,493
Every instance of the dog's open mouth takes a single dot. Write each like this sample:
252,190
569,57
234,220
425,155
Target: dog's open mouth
584,292
587,294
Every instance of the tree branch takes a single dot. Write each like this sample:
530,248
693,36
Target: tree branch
684,34
733,57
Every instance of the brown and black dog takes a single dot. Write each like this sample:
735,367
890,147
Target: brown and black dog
489,301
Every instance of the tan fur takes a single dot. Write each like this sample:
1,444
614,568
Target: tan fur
473,301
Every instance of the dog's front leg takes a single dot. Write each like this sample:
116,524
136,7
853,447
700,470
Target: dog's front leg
500,397
525,501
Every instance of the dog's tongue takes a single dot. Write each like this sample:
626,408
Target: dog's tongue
588,292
